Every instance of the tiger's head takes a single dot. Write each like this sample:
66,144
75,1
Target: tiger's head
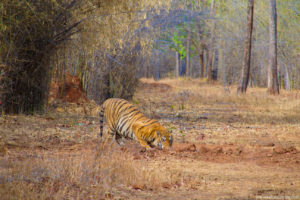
163,139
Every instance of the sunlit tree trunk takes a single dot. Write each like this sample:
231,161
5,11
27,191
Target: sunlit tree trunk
182,67
205,56
287,78
211,44
177,64
188,65
247,50
273,85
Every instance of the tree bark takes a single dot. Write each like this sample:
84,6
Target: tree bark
287,79
211,44
188,65
247,50
273,85
148,70
201,62
221,63
201,51
177,57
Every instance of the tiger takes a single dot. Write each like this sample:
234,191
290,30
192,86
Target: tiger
126,121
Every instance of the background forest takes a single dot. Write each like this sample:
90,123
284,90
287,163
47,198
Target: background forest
110,44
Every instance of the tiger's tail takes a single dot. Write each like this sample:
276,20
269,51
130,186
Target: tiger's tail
101,120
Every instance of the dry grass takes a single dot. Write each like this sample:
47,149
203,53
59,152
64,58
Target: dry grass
256,99
80,172
218,111
246,146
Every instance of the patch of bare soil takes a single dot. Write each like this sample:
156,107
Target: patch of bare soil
278,155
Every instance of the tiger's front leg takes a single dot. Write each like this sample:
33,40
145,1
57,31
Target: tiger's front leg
144,143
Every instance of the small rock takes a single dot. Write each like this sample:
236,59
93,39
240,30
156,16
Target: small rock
279,150
292,149
139,186
59,109
166,185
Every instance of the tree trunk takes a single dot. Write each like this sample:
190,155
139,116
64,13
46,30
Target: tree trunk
221,65
287,78
177,57
182,68
201,51
215,65
188,65
247,50
205,56
211,44
201,55
148,70
273,86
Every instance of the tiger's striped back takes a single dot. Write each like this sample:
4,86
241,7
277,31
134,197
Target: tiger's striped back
125,120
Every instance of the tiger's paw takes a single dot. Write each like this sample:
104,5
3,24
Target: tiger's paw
143,150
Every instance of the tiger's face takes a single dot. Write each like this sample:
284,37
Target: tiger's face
163,139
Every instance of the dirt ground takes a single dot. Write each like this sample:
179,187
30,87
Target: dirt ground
226,147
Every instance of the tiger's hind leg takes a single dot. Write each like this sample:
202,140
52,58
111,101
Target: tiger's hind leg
111,132
119,139
116,135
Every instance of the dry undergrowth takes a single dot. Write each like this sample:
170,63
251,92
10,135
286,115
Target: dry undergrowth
79,172
226,146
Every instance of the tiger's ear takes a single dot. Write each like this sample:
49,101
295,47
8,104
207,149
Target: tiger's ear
157,133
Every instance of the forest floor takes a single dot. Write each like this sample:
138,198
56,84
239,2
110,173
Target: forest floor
226,147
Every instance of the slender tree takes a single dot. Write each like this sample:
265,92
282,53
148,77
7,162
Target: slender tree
201,63
247,50
177,57
273,86
211,44
200,48
188,65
